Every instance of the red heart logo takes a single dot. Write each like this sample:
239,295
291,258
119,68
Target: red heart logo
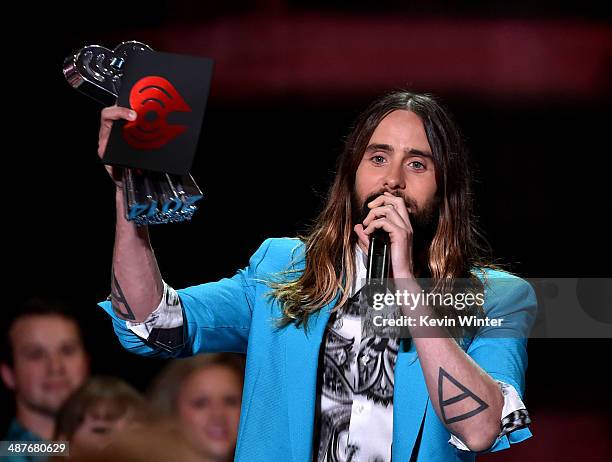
153,98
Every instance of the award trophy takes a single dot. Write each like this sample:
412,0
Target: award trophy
151,197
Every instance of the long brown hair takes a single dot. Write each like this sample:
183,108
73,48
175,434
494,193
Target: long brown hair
457,245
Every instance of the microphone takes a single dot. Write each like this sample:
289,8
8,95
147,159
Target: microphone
379,257
377,274
379,253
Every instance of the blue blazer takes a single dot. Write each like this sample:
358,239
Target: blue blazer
278,405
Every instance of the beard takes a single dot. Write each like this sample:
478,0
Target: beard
424,220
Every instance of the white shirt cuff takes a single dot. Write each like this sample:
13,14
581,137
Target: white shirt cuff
512,403
167,315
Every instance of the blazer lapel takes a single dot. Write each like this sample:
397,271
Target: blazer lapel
302,354
410,399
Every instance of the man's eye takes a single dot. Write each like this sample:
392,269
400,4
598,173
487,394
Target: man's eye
34,355
200,403
68,350
378,159
418,165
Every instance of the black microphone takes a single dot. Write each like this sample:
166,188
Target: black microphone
379,256
377,275
379,253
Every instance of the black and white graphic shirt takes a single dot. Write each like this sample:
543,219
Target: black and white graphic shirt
356,390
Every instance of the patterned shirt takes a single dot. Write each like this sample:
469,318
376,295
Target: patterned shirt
355,412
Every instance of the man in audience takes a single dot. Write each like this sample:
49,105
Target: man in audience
43,360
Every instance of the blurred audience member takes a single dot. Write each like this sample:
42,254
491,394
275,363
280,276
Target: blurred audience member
42,362
204,394
96,413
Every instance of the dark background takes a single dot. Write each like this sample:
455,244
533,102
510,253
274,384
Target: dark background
290,78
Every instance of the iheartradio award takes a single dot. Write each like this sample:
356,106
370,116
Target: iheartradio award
154,152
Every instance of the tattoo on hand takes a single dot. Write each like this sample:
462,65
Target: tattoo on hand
118,300
467,394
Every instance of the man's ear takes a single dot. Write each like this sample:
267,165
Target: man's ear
8,377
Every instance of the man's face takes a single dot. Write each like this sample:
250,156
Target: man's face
398,159
49,362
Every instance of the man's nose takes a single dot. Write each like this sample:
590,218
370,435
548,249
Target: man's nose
394,178
55,363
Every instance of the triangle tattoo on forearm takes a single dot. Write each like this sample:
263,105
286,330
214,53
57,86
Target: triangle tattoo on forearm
466,394
117,298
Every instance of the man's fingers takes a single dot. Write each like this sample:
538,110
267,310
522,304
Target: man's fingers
363,239
107,116
383,223
397,202
387,211
116,113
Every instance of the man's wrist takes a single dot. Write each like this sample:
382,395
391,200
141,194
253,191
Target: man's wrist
120,202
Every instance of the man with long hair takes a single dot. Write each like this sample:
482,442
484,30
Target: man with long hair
317,386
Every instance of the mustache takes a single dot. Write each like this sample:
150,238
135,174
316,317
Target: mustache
410,204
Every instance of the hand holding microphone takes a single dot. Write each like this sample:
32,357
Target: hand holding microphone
387,225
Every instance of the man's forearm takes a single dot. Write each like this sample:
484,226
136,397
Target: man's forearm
136,283
467,400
